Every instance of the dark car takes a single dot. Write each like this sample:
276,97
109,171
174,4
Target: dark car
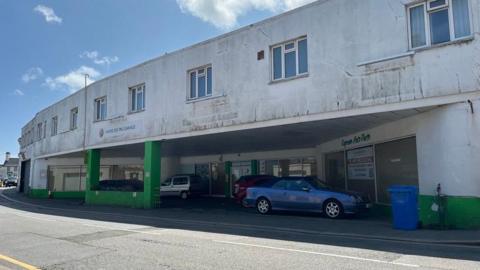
130,185
304,194
244,182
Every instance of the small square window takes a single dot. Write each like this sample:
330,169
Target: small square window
261,55
289,46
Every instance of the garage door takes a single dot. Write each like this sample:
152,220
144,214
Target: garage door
396,163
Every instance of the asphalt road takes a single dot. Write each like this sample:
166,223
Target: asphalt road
30,239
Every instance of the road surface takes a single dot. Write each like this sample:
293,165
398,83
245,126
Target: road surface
34,239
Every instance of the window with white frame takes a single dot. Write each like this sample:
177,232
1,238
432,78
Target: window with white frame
54,127
39,131
289,59
137,98
200,82
73,118
45,129
101,109
434,22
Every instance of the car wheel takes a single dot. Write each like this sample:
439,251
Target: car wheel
184,195
263,206
333,209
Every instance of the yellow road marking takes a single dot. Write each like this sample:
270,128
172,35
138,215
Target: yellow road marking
18,263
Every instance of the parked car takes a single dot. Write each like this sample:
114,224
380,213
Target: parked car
12,182
244,182
183,186
304,194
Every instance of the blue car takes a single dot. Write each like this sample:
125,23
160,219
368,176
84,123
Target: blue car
304,194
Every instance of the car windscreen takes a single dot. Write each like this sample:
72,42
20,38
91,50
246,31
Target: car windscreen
317,184
268,182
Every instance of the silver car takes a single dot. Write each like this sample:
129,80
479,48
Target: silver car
182,186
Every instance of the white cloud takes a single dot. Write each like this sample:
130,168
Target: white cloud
32,74
74,80
18,92
224,13
291,4
95,57
48,13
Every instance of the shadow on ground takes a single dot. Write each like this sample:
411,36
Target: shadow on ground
226,217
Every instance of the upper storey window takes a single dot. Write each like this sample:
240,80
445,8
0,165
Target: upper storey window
438,21
74,118
54,127
289,59
101,109
137,98
200,82
39,131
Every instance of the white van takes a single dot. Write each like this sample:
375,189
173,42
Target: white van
182,186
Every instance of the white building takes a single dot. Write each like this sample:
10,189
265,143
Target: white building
362,93
9,168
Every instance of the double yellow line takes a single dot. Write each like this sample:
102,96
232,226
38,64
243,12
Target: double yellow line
18,263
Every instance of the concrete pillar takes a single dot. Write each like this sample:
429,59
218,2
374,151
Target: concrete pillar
93,169
284,165
152,168
254,167
228,179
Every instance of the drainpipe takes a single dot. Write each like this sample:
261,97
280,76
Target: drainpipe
85,113
442,209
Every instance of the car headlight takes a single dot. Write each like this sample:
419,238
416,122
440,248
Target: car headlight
356,198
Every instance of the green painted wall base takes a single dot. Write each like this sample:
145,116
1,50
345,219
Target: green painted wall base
115,198
460,212
38,193
68,194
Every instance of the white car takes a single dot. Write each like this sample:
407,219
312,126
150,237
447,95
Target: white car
182,186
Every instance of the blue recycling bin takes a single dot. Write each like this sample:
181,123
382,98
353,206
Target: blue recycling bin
404,207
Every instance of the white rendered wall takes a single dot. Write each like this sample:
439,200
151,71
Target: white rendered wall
341,35
448,148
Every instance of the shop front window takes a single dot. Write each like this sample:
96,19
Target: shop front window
289,167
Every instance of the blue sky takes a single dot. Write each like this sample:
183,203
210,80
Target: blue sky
46,45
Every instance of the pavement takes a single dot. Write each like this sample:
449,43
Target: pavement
213,234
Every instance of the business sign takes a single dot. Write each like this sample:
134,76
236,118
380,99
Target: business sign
116,131
360,164
364,137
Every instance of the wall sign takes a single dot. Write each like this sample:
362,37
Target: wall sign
116,131
360,164
364,137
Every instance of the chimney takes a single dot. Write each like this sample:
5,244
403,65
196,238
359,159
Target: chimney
7,156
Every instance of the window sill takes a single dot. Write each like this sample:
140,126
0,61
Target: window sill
456,41
414,51
203,99
290,79
386,59
134,112
98,121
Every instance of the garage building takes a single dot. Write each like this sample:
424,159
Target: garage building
361,93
